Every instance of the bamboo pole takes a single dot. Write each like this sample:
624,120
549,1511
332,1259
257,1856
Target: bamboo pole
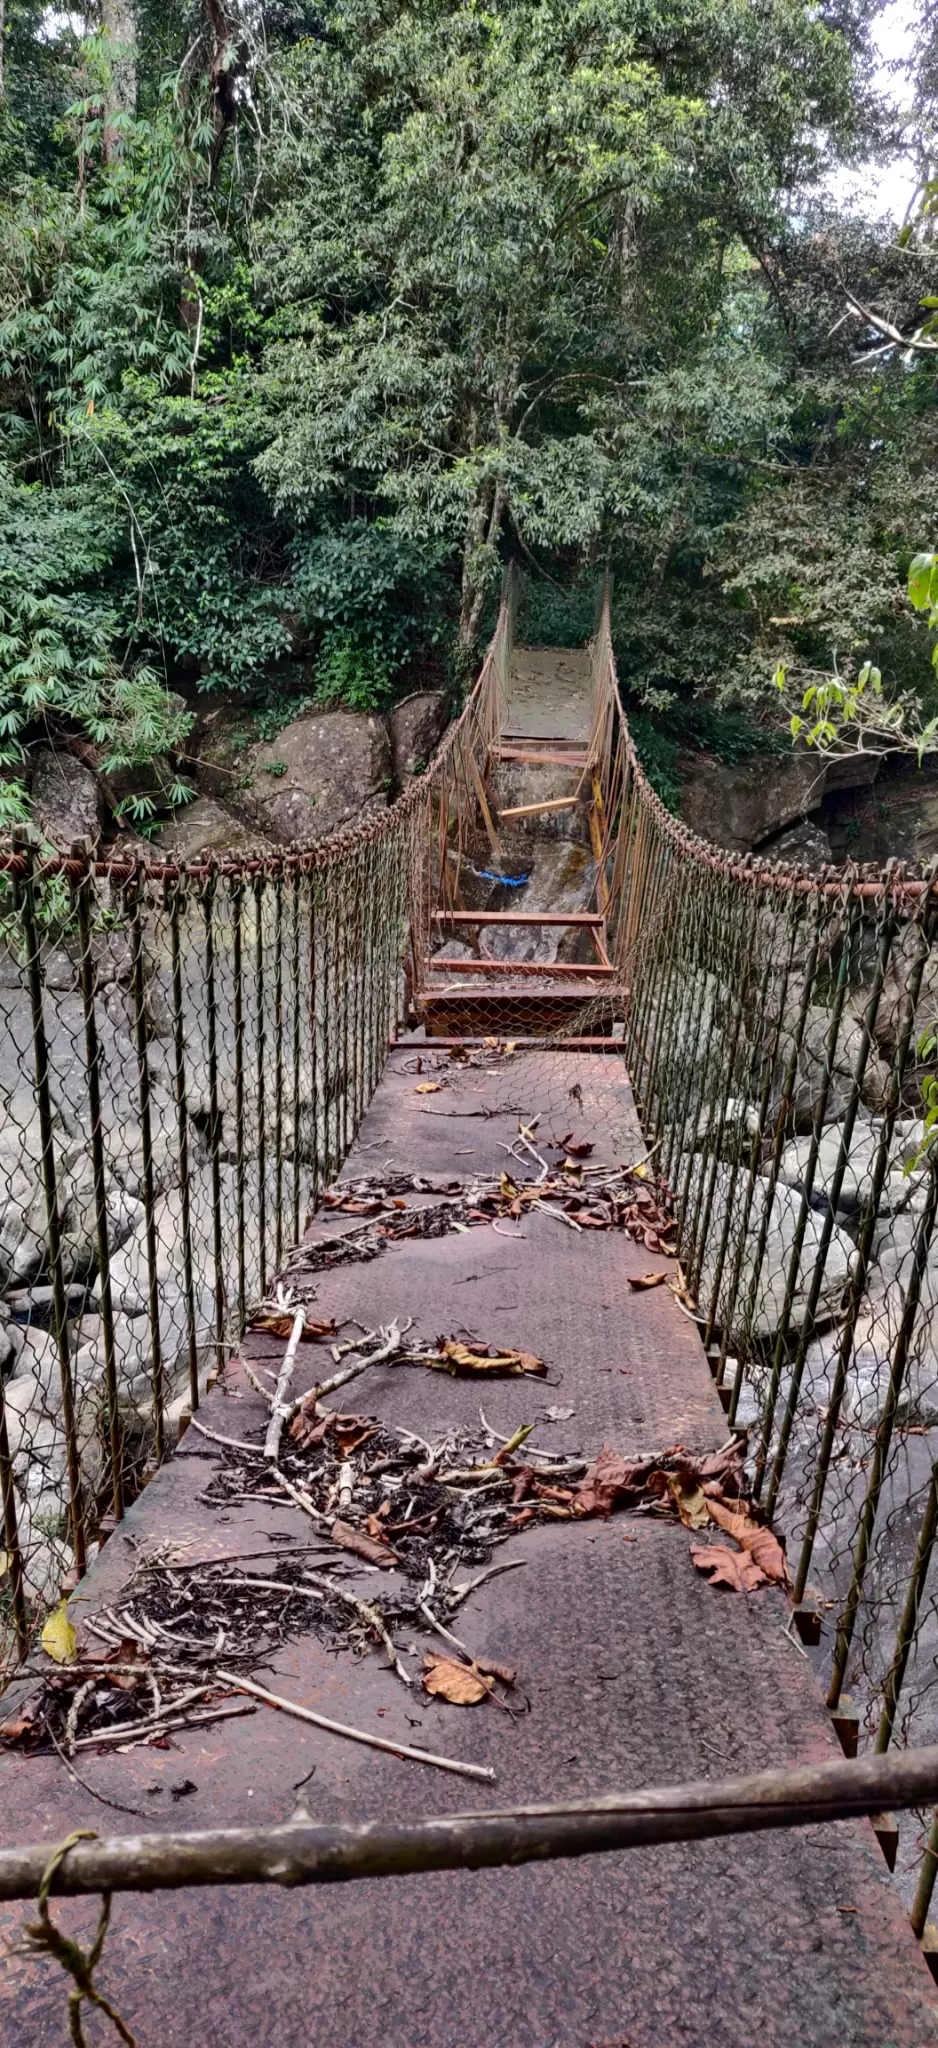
299,1852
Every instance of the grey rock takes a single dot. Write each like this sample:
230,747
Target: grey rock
58,970
801,846
66,798
772,1284
331,768
201,827
740,806
417,726
901,1189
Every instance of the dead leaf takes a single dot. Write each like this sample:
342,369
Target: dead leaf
428,1088
558,1414
607,1481
347,1538
282,1325
727,1567
690,1501
448,1680
58,1638
458,1358
646,1280
764,1548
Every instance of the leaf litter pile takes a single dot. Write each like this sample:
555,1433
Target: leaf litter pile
412,1515
578,1194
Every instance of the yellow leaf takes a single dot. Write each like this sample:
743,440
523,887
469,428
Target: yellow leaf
448,1680
427,1088
640,1172
690,1502
58,1638
4,1563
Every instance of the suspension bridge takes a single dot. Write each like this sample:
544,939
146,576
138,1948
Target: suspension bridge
450,1092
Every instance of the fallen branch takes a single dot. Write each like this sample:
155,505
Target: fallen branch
417,1756
298,1852
143,1730
279,1411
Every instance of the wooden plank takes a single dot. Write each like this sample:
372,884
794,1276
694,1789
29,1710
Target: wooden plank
552,917
548,968
542,760
483,803
552,803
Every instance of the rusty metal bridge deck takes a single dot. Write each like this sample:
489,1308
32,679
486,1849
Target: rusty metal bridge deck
636,1671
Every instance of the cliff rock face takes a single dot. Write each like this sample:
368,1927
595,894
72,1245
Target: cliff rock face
740,806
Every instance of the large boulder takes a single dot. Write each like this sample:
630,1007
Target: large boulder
66,798
799,846
904,1186
739,806
204,826
417,726
772,1284
323,771
747,804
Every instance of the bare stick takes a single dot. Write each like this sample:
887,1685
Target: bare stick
393,1337
447,1634
297,1852
461,1593
278,1408
117,1804
231,1443
417,1756
300,1498
142,1730
560,1215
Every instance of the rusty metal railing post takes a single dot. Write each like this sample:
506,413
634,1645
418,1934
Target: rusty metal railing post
133,900
909,1619
172,899
81,894
25,903
209,890
11,1536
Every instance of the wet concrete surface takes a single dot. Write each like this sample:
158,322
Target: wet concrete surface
636,1671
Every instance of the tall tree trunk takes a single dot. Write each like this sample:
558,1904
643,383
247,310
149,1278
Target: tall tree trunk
481,535
119,25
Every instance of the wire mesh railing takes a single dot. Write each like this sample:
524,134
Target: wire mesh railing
185,1055
776,1025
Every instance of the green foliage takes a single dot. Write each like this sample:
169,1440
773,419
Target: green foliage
371,588
309,321
657,753
352,672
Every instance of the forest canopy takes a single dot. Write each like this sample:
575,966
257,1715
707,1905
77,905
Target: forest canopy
310,318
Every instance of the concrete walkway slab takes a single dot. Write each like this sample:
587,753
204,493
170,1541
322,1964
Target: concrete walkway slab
637,1672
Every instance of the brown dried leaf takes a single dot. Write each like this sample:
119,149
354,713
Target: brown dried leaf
727,1567
449,1680
347,1538
457,1358
608,1479
282,1325
428,1088
764,1548
644,1280
578,1147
